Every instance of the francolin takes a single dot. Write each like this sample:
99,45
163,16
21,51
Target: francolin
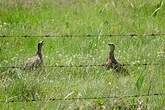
112,63
35,61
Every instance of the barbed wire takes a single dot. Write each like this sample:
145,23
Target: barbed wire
85,66
84,98
85,35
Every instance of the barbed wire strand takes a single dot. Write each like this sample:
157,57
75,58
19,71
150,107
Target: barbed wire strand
84,98
85,35
94,65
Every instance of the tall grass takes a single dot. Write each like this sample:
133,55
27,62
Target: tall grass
51,17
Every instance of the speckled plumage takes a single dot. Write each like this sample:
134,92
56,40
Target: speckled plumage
112,63
35,61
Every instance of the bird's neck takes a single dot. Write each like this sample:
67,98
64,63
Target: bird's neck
111,55
39,52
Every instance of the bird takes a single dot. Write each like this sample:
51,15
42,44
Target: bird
112,63
35,61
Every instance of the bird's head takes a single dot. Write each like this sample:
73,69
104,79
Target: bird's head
112,47
40,44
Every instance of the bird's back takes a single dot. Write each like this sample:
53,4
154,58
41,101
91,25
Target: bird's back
115,65
33,62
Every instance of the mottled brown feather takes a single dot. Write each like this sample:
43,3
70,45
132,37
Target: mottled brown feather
35,61
112,63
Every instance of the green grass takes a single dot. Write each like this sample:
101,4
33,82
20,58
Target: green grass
82,17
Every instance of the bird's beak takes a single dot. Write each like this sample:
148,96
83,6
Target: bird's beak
42,42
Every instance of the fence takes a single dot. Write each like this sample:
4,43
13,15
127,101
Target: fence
86,98
94,65
85,66
85,35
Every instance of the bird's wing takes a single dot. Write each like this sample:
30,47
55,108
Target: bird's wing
31,62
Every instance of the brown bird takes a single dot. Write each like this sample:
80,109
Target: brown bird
35,61
112,63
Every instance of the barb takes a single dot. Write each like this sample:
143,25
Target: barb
84,98
85,66
85,35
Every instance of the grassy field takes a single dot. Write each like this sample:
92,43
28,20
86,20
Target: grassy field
54,17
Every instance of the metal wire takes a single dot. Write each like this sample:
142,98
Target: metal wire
85,66
84,98
85,35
